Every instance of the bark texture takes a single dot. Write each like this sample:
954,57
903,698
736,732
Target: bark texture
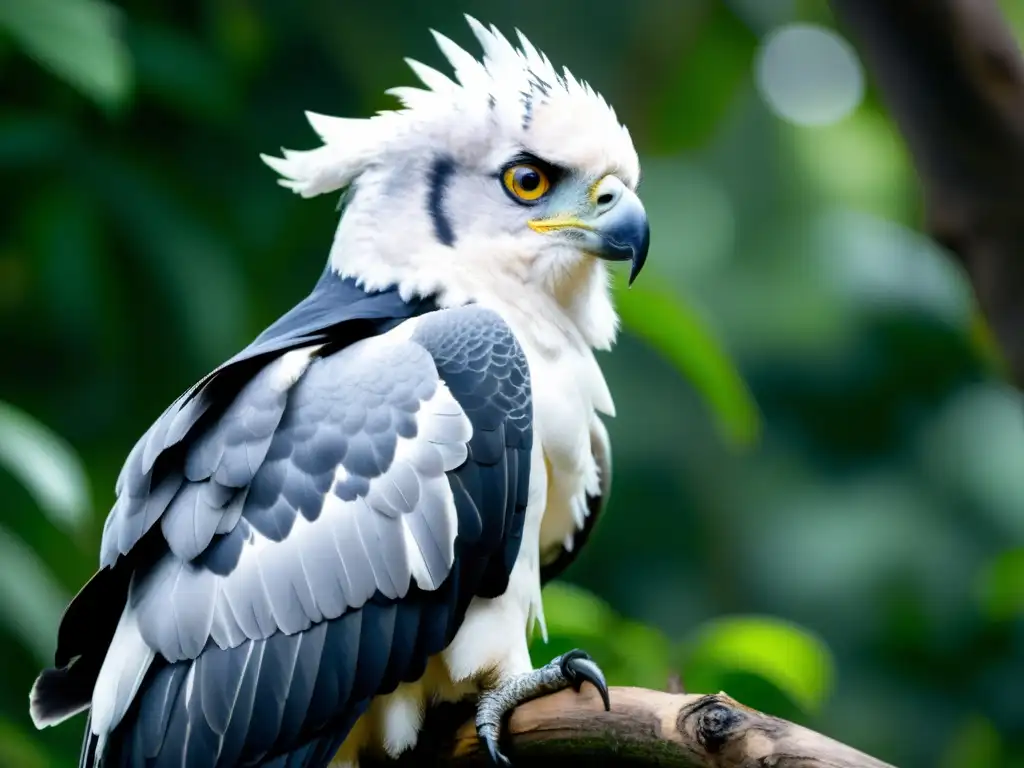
644,728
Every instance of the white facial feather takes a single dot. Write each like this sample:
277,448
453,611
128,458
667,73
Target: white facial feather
513,96
509,102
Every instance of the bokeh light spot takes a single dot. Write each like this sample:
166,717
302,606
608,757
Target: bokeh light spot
808,75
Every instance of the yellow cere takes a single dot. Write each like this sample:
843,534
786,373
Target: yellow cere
556,223
527,182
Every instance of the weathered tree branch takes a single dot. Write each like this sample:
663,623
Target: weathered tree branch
644,728
952,75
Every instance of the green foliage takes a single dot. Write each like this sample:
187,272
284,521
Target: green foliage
77,40
857,565
1014,14
46,465
784,658
666,323
860,162
974,742
31,600
629,652
18,748
796,662
711,73
1000,586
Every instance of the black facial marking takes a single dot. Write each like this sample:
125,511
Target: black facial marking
440,174
527,108
538,83
491,101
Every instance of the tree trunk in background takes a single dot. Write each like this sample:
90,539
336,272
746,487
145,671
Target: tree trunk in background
952,75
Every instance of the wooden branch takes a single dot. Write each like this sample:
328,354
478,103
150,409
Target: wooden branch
644,728
952,76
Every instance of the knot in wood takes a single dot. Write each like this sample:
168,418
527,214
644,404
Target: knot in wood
716,722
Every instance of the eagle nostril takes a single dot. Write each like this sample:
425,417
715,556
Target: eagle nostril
605,199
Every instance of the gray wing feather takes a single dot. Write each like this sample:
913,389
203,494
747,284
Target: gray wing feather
192,519
227,456
233,452
326,482
134,513
344,495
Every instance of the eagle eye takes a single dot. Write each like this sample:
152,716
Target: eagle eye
526,182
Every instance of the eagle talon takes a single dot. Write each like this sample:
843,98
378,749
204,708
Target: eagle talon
579,668
570,670
497,757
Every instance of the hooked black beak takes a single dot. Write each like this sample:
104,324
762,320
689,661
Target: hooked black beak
625,234
617,231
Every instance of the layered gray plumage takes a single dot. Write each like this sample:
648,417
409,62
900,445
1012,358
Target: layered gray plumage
313,512
342,509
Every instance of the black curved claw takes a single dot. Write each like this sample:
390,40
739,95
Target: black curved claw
497,757
578,668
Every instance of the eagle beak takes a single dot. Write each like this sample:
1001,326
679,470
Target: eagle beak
615,229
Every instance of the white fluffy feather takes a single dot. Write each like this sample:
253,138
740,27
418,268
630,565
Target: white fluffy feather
568,117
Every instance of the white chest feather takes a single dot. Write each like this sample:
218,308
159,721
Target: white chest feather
568,392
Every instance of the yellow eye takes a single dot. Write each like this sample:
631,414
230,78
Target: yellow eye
526,182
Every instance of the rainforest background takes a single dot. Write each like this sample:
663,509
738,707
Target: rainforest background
818,494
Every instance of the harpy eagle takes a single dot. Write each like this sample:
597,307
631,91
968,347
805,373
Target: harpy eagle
353,517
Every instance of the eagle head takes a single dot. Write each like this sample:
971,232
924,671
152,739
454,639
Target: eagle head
513,183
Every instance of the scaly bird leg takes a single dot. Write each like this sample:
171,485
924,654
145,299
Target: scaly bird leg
570,669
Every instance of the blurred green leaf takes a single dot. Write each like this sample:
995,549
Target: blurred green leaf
30,138
974,742
709,77
860,162
241,31
78,40
1000,586
790,658
645,654
31,600
190,260
180,71
630,653
668,325
984,341
575,618
572,610
17,748
1013,10
46,465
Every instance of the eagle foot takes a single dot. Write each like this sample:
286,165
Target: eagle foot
570,670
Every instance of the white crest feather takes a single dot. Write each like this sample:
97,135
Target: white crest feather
508,90
332,128
430,77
